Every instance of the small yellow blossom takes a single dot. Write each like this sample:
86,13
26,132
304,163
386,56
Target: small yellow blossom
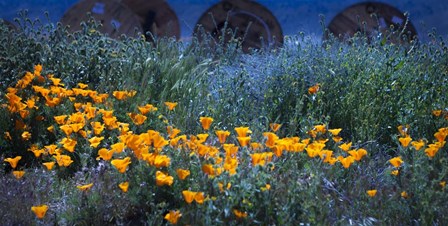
314,89
335,132
239,214
371,193
40,211
275,126
182,173
358,154
347,161
405,141
395,172
85,187
120,95
345,146
437,113
146,109
396,162
320,128
48,165
173,216
404,195
171,105
18,173
124,186
26,135
418,144
266,187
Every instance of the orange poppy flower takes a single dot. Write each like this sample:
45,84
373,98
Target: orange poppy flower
405,141
68,144
63,160
418,144
320,128
40,211
120,95
161,161
105,154
396,162
121,164
206,122
371,193
345,146
138,119
172,132
358,154
163,179
222,135
334,132
85,187
171,105
314,89
13,161
49,165
271,138
239,214
242,131
124,186
275,126
95,141
244,141
26,135
18,173
347,161
146,109
182,174
173,216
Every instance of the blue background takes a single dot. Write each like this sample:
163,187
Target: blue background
294,15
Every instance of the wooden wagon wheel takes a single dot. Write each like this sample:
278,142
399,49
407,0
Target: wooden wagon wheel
116,18
374,19
156,17
252,23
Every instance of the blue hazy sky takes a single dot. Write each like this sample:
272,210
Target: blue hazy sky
293,15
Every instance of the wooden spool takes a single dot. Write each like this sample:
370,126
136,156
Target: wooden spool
249,21
156,17
116,18
372,18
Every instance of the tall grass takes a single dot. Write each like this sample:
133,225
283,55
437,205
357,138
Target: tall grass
366,88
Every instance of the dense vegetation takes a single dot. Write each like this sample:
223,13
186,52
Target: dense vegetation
103,131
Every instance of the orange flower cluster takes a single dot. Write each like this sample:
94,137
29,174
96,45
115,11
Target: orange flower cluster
430,149
92,123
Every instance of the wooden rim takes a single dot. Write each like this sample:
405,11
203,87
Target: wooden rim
117,18
252,23
373,18
156,17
